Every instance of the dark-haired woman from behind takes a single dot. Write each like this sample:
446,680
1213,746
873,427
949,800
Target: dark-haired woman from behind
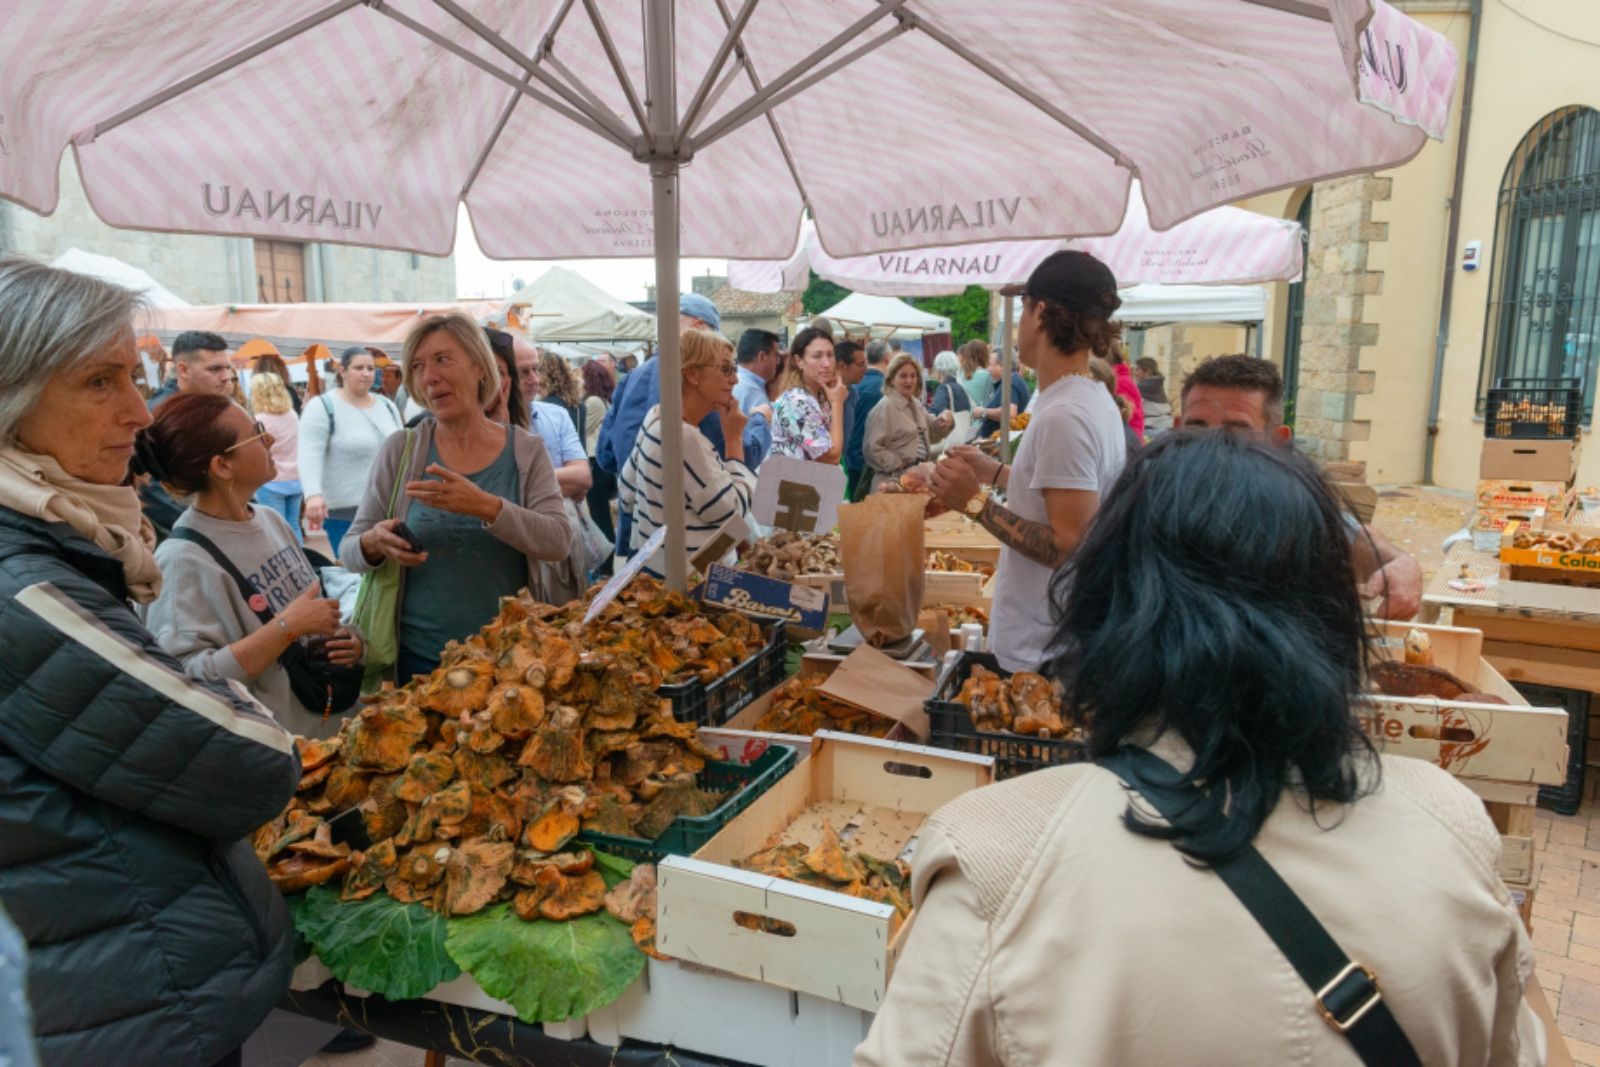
1057,911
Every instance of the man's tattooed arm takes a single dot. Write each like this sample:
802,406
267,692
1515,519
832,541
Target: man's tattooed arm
1036,540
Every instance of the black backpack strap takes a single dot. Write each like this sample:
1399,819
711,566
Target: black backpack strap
1347,994
246,590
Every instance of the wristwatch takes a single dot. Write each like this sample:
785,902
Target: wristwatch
974,507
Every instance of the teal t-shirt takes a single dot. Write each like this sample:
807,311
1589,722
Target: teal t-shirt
458,590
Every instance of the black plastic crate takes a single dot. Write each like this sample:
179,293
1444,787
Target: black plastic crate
714,704
742,782
1568,798
1534,408
950,726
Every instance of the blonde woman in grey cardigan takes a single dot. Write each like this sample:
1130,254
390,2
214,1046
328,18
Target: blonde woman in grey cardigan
480,499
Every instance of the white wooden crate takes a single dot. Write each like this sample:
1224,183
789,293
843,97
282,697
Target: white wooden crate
842,949
702,1010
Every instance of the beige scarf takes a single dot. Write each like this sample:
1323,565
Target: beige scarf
108,515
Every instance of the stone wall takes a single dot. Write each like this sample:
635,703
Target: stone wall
218,270
1335,328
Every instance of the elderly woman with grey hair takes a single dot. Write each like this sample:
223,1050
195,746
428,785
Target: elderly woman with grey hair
154,933
950,395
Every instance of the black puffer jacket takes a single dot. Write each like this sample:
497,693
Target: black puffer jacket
126,789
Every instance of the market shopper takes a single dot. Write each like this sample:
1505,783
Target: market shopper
270,400
599,383
1107,377
642,391
1057,912
949,395
760,357
1153,390
200,364
210,451
551,423
974,357
899,434
272,363
340,435
714,490
1116,355
1242,392
154,935
808,416
1072,452
508,407
865,377
480,499
991,414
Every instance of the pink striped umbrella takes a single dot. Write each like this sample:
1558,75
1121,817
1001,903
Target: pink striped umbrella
1223,246
563,125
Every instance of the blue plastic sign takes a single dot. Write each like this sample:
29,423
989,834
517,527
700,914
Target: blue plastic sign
768,598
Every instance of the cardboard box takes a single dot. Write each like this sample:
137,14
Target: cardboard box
1552,461
1487,526
1510,494
839,948
1510,742
1502,752
938,587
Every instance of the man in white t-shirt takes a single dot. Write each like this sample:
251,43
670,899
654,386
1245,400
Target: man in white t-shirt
1071,453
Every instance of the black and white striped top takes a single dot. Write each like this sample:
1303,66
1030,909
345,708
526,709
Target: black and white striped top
714,491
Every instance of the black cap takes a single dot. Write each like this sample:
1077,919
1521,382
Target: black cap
1075,280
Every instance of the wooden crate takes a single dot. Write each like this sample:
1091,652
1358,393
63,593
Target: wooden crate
938,587
962,538
1503,752
841,949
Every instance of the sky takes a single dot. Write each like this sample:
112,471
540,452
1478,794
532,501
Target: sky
625,279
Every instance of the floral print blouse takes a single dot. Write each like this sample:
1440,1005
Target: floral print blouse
801,425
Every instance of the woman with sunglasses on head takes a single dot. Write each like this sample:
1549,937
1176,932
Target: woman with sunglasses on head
209,448
714,491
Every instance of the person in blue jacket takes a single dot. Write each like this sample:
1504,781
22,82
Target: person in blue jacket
641,390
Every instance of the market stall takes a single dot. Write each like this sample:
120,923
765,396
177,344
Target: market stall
565,307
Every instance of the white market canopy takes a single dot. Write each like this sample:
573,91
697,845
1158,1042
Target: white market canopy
563,305
1226,245
884,315
1193,303
113,270
653,127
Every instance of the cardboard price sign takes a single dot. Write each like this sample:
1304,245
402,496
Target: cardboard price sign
770,598
798,495
732,532
630,570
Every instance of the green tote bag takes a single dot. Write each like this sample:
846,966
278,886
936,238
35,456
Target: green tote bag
379,594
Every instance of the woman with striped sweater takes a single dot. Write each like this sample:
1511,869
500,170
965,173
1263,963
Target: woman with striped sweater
714,491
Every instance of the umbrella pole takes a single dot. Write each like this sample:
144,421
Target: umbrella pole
663,113
1005,382
664,189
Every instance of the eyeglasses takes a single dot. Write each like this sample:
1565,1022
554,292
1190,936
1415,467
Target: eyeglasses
261,431
728,370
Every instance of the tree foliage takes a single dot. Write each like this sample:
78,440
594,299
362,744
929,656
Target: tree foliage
821,294
968,313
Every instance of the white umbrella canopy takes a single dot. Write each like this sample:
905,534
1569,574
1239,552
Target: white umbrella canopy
563,305
1223,246
368,122
113,270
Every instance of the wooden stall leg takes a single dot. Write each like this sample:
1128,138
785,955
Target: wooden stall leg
433,1059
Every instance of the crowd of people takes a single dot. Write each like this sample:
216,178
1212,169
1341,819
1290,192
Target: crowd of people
151,689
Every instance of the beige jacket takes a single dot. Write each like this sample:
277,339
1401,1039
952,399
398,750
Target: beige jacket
895,427
1046,933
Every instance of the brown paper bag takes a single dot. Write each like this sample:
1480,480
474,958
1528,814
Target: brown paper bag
871,681
880,546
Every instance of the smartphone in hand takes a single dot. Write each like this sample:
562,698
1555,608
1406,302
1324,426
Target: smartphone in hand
404,533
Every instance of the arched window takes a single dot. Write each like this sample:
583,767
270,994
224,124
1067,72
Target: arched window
1296,314
1544,290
